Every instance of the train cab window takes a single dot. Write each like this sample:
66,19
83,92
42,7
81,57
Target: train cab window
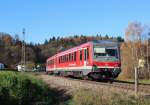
80,55
74,56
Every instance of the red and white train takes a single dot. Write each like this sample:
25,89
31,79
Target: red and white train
95,60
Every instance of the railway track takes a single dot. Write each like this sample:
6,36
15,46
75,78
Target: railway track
77,83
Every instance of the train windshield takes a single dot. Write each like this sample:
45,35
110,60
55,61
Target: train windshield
105,54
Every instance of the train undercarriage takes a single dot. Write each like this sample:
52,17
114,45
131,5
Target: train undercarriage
100,74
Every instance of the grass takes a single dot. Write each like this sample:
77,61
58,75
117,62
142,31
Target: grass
18,88
105,97
141,81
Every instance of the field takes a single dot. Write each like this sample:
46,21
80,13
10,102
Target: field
17,88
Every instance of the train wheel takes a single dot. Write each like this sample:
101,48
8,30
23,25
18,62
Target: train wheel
110,80
85,77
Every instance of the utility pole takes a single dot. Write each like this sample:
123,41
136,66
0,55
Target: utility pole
136,82
23,60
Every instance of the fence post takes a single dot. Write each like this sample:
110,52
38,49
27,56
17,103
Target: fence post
136,82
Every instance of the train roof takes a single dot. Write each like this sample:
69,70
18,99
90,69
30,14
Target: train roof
106,43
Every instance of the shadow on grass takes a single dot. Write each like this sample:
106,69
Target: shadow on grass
59,96
52,97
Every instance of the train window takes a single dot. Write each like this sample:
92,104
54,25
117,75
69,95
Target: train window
65,58
50,62
87,53
59,59
80,55
74,56
70,57
111,52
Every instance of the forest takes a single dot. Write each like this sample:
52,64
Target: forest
10,47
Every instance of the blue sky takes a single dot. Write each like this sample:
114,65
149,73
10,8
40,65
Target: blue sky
43,19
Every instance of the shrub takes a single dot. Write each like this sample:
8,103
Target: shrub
24,89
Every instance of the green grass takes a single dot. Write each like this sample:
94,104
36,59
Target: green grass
18,88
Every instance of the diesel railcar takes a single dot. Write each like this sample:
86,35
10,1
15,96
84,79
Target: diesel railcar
95,60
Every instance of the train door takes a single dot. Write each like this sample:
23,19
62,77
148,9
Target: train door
85,56
81,57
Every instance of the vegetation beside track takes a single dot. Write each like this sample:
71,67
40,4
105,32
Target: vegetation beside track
105,97
23,89
141,81
17,88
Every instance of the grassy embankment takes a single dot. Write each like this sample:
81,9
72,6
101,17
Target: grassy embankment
24,89
106,97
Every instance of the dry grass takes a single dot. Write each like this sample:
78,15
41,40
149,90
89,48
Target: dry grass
105,97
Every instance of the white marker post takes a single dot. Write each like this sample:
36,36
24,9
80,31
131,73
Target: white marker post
136,82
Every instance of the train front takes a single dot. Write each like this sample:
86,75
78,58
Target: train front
106,60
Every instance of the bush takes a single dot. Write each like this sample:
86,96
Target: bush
24,89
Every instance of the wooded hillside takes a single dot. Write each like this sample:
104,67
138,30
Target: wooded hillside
10,47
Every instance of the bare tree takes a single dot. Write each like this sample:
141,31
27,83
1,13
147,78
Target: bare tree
136,36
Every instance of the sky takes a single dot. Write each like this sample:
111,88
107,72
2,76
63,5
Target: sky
43,19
